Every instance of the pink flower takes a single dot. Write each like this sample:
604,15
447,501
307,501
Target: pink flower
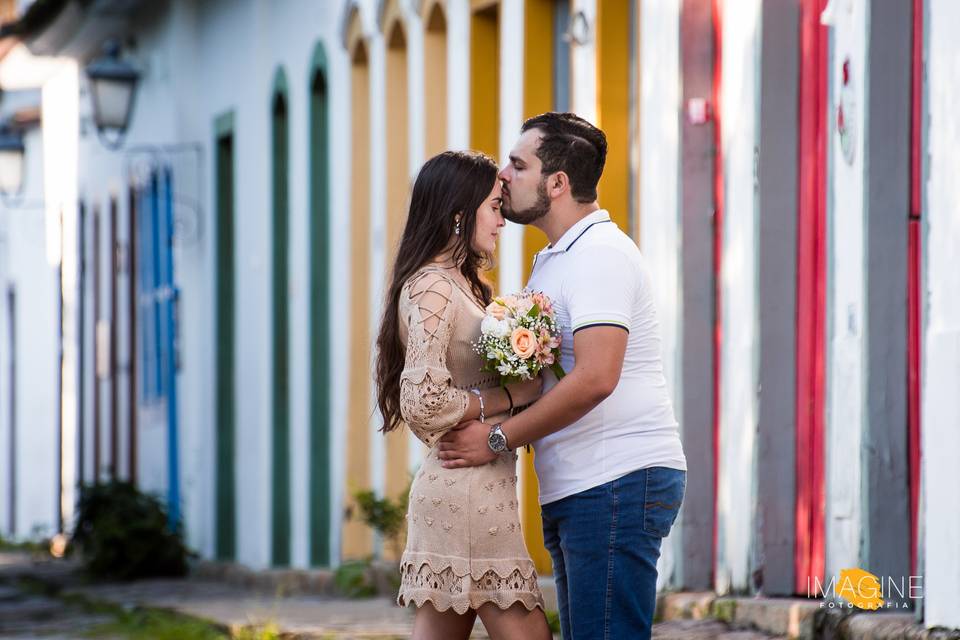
547,341
524,305
543,302
545,357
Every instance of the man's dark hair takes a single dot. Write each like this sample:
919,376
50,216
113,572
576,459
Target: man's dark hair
574,146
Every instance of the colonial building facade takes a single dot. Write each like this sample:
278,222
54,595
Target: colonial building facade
192,306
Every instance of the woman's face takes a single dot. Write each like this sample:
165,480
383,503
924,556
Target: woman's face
489,222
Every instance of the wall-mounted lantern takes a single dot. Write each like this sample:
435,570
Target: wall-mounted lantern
113,83
11,160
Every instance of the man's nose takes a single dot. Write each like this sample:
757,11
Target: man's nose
503,174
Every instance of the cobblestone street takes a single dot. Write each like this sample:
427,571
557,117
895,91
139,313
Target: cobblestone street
50,600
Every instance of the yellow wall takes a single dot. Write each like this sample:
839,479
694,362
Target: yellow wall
537,93
537,98
613,106
435,82
357,540
485,85
485,80
398,188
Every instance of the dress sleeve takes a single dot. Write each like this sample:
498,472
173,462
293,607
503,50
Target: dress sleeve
429,403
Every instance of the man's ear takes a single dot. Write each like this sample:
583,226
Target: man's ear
558,184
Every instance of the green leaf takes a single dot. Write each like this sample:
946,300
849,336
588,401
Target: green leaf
534,312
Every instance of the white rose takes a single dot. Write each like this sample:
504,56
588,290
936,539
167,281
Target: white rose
490,326
503,328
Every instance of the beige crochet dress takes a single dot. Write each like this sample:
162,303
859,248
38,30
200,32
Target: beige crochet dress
464,544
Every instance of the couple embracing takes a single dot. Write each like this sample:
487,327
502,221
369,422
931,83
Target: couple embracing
608,455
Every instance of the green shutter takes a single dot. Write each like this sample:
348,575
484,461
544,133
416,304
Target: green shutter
319,388
279,109
226,514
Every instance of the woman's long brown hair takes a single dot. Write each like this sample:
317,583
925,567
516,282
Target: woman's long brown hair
451,183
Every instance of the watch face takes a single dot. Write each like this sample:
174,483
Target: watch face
498,442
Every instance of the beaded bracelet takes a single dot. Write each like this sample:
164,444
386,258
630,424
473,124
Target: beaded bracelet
479,395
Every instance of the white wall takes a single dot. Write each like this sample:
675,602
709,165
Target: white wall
739,110
940,446
511,119
659,177
25,267
845,397
583,64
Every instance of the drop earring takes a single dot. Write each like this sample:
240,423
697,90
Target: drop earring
456,229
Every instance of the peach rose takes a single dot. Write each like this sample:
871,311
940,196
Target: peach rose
496,310
509,301
523,341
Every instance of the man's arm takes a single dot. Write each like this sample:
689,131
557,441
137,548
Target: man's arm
598,354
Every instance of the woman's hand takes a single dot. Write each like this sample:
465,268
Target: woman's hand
524,393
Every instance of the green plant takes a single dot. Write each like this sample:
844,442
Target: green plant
123,533
386,516
353,579
268,631
553,619
39,546
147,624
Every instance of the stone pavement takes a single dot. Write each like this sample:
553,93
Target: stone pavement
29,613
26,615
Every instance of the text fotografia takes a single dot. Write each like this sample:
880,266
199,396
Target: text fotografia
862,590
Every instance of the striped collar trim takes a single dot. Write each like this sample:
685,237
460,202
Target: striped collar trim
576,232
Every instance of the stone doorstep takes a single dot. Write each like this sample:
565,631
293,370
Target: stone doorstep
791,617
685,605
272,581
842,625
798,618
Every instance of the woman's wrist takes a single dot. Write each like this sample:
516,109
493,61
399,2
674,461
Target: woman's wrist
480,399
509,399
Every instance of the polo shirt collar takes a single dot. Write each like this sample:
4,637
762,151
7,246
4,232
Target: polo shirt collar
573,233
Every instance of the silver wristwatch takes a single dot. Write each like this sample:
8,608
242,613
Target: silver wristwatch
496,440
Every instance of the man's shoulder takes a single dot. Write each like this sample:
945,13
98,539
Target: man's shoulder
610,242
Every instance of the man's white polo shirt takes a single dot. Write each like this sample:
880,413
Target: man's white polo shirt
595,275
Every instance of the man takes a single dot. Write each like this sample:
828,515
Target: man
608,454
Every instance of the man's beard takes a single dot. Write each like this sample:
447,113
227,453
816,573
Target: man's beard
533,213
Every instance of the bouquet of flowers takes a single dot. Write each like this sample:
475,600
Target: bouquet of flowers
519,337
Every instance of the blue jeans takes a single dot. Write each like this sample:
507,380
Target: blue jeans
605,543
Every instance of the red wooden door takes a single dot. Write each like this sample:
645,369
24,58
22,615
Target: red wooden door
914,277
811,296
718,199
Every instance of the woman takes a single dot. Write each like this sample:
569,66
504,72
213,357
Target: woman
465,554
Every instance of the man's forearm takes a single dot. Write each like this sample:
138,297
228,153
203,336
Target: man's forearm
571,399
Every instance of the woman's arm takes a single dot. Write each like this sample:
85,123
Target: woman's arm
429,403
498,400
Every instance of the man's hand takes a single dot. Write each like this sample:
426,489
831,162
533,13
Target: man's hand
466,446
